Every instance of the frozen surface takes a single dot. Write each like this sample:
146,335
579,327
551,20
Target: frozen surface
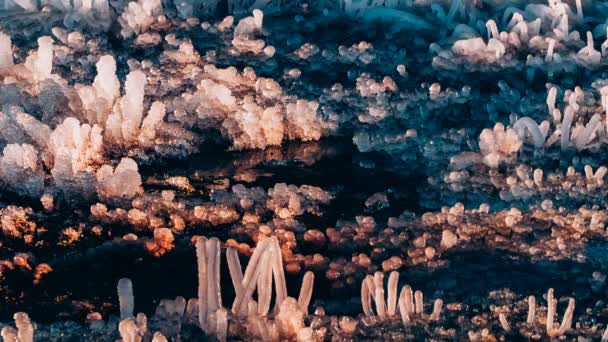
303,170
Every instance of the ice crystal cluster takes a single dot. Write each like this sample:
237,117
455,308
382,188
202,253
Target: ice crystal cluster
305,170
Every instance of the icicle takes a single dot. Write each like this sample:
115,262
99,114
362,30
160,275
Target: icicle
531,310
43,64
214,295
203,301
551,303
369,280
515,19
279,275
504,323
452,11
551,97
538,177
403,306
250,277
600,173
588,172
380,304
366,299
492,30
131,104
234,266
221,317
306,291
128,330
579,10
566,125
437,307
393,281
264,284
6,53
604,335
589,133
125,298
419,302
567,320
526,122
25,329
522,31
549,56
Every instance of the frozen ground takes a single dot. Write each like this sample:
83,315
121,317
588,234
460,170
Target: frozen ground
303,170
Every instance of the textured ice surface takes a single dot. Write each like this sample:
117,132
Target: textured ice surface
390,147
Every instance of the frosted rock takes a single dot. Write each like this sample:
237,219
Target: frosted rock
20,170
122,182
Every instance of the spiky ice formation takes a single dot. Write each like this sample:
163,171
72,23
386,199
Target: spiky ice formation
123,182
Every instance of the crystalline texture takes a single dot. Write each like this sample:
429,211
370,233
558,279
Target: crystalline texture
122,182
6,53
20,170
43,63
98,99
131,104
125,297
80,144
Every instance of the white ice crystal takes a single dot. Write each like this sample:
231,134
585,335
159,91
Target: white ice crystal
40,63
589,54
6,53
303,121
98,99
19,127
138,16
124,123
151,123
244,34
26,5
498,145
122,182
80,145
76,150
21,171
